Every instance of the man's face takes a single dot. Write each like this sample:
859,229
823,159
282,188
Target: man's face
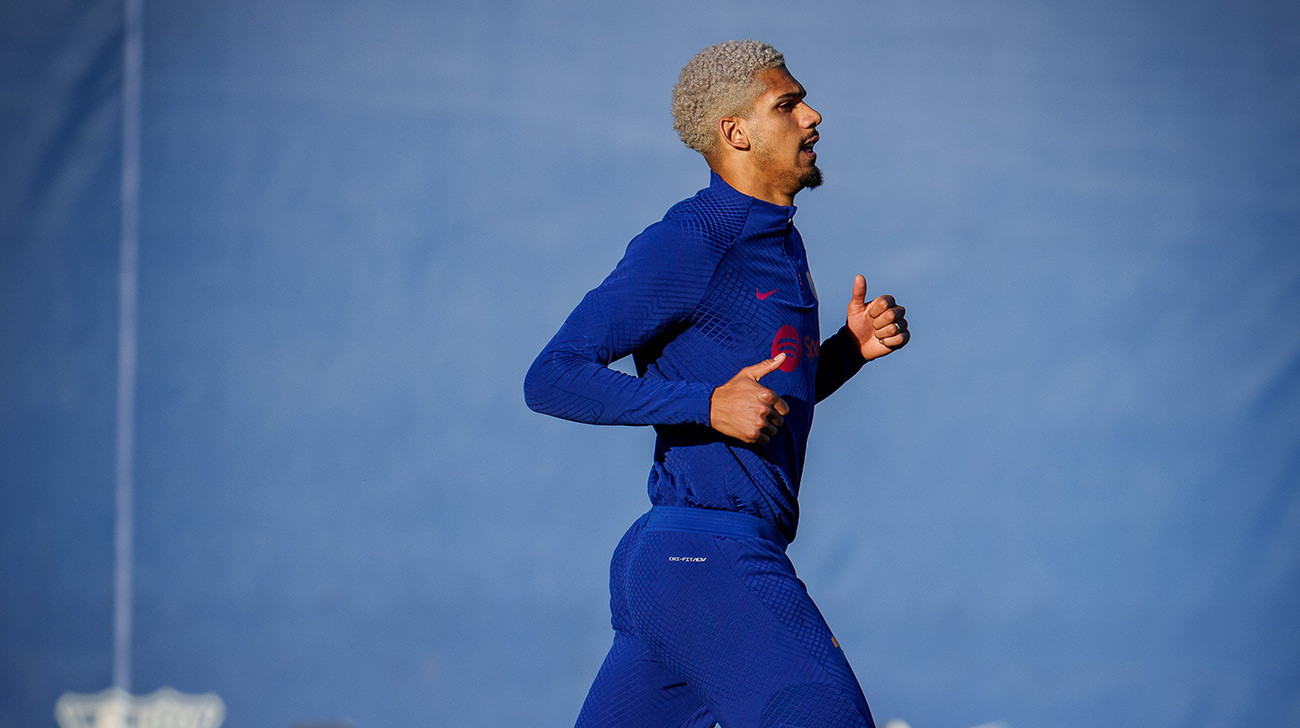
782,131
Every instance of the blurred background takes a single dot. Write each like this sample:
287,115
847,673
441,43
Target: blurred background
1073,500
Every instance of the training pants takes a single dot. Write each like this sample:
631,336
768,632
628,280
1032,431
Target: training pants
711,625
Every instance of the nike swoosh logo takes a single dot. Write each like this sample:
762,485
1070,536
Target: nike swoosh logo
763,296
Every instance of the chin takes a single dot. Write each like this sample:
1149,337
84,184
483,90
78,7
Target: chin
811,178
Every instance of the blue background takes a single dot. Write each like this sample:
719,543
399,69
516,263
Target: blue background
1073,499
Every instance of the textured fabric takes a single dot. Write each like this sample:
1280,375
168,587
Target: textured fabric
717,628
711,622
719,284
718,523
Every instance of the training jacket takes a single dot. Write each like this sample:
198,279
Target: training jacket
720,283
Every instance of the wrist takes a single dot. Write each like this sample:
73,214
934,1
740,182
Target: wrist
858,345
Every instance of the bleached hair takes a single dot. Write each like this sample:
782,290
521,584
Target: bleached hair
721,80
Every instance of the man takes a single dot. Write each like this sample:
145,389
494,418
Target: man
717,308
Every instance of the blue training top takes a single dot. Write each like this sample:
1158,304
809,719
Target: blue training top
720,283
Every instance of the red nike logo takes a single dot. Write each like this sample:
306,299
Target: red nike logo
763,296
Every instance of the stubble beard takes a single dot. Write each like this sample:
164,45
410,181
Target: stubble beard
800,179
811,178
805,179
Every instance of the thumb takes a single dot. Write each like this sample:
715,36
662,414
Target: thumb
860,290
763,368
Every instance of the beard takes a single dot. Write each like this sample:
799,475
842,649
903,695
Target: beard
811,178
795,176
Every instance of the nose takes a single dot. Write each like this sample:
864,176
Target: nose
811,117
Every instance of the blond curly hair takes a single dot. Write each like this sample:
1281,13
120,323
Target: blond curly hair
721,80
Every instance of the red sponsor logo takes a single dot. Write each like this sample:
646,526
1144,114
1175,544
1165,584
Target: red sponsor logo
763,296
788,341
795,346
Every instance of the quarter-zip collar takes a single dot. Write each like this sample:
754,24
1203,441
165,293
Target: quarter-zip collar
764,218
767,215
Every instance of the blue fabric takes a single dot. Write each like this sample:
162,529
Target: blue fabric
711,622
718,523
719,628
720,283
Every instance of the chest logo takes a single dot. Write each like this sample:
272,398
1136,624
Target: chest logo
763,296
788,341
795,346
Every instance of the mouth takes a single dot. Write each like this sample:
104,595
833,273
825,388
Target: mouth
806,149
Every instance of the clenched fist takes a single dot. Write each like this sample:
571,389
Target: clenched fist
745,409
879,326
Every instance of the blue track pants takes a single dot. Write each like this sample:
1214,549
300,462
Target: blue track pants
711,625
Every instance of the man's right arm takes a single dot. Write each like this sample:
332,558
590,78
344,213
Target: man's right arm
655,287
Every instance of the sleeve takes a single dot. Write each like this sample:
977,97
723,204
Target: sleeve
840,359
656,286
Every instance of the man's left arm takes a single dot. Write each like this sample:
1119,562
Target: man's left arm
873,329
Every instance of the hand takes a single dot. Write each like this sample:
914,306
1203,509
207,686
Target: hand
879,326
746,410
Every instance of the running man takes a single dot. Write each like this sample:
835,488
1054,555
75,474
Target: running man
717,308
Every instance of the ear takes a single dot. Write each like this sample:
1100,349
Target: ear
732,129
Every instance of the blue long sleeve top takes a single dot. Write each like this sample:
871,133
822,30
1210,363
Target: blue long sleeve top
720,283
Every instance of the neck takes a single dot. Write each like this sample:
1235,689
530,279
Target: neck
745,182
